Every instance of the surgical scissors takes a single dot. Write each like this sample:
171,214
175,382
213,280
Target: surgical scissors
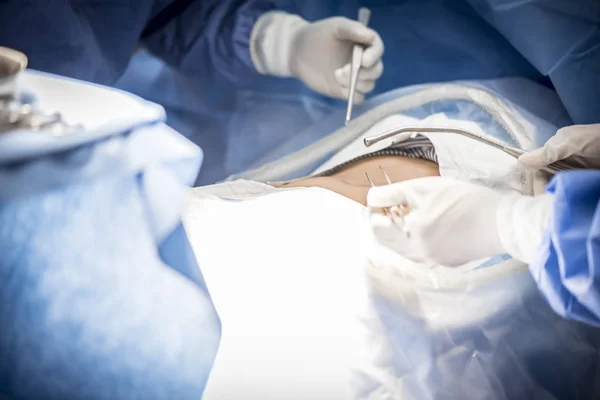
510,150
364,15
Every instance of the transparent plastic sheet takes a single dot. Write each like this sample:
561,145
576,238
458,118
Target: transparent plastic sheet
483,333
92,248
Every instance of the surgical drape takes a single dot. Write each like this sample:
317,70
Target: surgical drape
567,266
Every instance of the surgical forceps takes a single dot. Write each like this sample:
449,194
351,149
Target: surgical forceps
510,150
397,211
364,15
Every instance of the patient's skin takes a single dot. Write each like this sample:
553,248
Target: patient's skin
352,183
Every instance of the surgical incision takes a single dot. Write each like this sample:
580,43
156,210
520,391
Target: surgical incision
352,182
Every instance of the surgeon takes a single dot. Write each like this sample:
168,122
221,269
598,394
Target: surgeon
233,40
557,233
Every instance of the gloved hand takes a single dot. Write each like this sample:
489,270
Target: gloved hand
578,143
451,222
318,53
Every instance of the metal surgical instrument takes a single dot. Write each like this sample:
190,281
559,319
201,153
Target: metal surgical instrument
396,211
12,63
364,15
400,210
510,150
16,114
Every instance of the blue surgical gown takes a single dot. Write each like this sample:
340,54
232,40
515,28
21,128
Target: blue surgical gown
94,40
567,266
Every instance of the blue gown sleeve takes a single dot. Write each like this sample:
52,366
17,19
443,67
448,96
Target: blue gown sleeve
561,38
567,266
207,38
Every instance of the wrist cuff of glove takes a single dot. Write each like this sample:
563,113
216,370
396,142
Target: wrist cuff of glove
271,42
521,222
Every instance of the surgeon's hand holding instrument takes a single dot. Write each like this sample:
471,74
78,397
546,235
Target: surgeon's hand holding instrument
551,167
395,212
318,53
453,222
577,146
364,15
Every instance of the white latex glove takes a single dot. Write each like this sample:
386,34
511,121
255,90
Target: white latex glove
578,143
452,222
318,53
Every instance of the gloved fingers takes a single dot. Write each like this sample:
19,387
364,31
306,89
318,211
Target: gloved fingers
387,196
535,159
576,140
371,73
342,75
354,31
407,192
384,231
373,53
362,86
365,87
382,224
577,133
390,233
543,156
413,221
359,97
